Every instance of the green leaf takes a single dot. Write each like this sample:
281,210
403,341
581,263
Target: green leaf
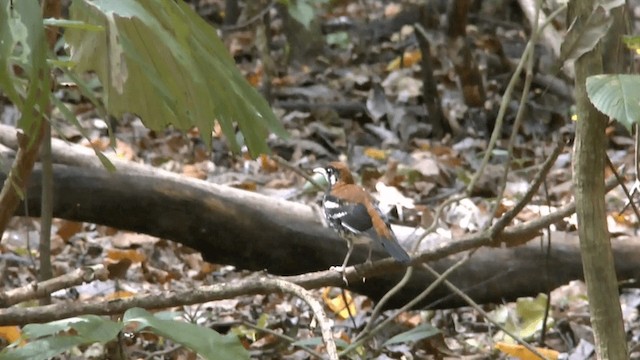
617,96
161,61
7,44
204,341
48,342
423,331
72,24
632,42
318,341
71,118
91,328
340,39
22,44
530,313
301,11
42,349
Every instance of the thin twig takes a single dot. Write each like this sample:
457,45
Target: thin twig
316,307
533,189
506,98
519,117
479,309
623,186
250,21
285,164
377,310
284,337
439,279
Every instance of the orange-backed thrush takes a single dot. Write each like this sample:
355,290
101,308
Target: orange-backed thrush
351,211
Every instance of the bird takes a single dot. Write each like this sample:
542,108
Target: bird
353,214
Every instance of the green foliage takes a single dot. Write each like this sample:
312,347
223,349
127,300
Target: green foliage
51,339
23,47
302,10
340,39
418,333
632,42
530,313
161,61
617,96
318,341
204,341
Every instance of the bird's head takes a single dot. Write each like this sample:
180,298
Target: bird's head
335,172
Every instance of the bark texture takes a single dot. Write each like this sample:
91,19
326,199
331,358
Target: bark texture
588,178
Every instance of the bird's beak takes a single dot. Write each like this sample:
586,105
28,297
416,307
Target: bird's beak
322,171
321,177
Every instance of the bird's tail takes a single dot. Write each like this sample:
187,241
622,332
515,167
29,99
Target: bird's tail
393,248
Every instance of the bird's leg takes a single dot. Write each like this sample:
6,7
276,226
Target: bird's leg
346,260
369,256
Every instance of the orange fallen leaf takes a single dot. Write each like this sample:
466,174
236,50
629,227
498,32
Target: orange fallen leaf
523,353
10,333
375,153
119,295
408,59
133,255
337,303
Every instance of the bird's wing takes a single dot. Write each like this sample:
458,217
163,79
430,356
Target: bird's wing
353,216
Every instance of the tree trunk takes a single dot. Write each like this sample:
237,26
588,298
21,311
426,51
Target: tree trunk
588,175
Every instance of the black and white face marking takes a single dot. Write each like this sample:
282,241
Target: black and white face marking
330,174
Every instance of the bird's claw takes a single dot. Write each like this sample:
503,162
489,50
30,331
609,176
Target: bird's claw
343,271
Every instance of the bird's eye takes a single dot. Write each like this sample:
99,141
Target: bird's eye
332,175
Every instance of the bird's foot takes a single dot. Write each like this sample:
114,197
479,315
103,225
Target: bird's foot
342,270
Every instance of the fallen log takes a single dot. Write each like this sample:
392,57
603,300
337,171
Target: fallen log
256,232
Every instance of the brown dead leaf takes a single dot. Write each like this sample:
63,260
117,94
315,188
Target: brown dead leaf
287,80
280,183
409,319
238,41
134,256
155,275
267,164
265,341
426,216
100,144
255,77
66,229
118,270
246,185
124,151
408,59
194,171
57,245
106,230
205,269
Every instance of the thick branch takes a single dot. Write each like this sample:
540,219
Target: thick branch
256,232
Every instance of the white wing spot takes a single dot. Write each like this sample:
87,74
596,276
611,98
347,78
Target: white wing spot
338,215
331,205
